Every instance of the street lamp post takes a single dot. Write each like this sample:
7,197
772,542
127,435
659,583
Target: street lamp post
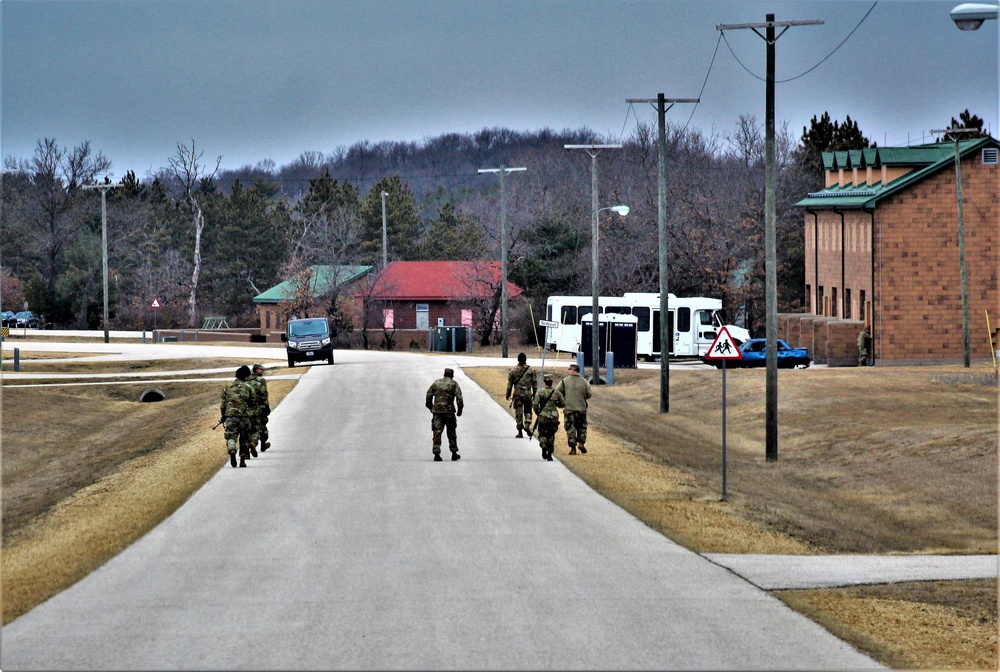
103,188
504,324
593,151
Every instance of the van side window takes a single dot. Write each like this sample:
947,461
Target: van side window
684,319
642,312
568,315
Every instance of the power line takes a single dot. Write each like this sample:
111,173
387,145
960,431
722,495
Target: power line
802,74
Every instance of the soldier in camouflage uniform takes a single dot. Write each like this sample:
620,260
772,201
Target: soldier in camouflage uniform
237,406
523,383
547,404
442,397
575,391
263,408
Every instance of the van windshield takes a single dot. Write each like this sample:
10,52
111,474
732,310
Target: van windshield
303,328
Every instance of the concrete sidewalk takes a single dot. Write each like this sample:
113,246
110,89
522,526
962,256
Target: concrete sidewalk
783,572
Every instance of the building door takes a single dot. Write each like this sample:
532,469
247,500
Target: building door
423,316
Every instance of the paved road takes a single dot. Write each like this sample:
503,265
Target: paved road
345,546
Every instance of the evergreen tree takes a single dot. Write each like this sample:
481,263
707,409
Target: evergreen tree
403,222
965,120
453,236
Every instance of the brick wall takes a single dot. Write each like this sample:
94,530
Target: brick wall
842,342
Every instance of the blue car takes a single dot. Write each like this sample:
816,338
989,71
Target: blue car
755,355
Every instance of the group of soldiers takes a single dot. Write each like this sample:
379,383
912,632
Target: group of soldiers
444,401
245,409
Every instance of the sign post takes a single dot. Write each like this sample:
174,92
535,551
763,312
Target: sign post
156,309
548,324
723,349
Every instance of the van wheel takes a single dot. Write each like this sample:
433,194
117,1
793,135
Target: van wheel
291,363
330,359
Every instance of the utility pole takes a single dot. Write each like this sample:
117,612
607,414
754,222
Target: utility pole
504,326
103,188
385,256
595,281
770,233
666,336
956,132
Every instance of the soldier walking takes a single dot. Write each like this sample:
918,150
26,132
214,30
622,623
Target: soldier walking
237,407
442,397
547,403
522,382
864,344
575,390
262,408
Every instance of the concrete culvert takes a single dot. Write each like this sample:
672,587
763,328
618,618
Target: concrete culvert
152,395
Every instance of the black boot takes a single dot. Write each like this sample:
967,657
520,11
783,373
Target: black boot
519,434
455,456
437,457
232,459
243,461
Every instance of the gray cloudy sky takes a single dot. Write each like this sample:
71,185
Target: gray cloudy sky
269,79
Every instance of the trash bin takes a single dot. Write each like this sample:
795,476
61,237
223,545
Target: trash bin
450,339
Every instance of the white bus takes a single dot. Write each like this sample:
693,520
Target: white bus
694,322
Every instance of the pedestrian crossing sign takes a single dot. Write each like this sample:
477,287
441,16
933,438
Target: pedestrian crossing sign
724,347
155,304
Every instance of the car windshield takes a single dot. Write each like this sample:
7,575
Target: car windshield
24,314
305,328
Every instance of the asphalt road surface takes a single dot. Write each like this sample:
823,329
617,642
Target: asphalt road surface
346,547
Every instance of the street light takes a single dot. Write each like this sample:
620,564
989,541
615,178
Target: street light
970,15
594,150
103,188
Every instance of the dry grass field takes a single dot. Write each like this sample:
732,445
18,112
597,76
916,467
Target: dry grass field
870,461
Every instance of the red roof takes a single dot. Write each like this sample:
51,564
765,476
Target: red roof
440,281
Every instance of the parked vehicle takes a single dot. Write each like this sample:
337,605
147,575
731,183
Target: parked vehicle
755,355
308,339
692,321
28,319
8,319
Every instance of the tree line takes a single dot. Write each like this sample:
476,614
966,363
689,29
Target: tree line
204,241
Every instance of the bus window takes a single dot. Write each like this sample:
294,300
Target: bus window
705,318
617,310
584,311
642,312
568,315
684,319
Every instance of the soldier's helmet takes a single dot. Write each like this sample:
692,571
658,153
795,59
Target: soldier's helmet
257,365
521,358
547,378
449,373
243,373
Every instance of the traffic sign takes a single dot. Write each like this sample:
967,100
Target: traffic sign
550,324
156,303
724,347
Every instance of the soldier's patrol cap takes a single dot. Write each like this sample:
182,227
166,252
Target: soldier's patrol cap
257,365
449,373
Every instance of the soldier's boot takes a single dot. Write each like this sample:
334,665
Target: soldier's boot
519,434
243,461
264,446
530,433
572,449
253,449
455,456
437,457
582,448
232,458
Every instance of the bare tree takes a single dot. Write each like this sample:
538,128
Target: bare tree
191,174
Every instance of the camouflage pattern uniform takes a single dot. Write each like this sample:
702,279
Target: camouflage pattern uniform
547,404
442,397
864,341
263,407
522,381
575,390
237,405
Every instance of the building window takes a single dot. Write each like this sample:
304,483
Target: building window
809,299
848,307
820,305
388,318
267,319
833,302
862,307
466,317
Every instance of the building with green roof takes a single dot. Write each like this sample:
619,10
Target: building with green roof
882,251
323,281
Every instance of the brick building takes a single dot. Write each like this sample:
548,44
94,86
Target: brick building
410,297
323,280
882,249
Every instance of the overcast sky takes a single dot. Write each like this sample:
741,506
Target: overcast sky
269,79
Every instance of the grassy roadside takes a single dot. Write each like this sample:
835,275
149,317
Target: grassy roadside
665,470
932,424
